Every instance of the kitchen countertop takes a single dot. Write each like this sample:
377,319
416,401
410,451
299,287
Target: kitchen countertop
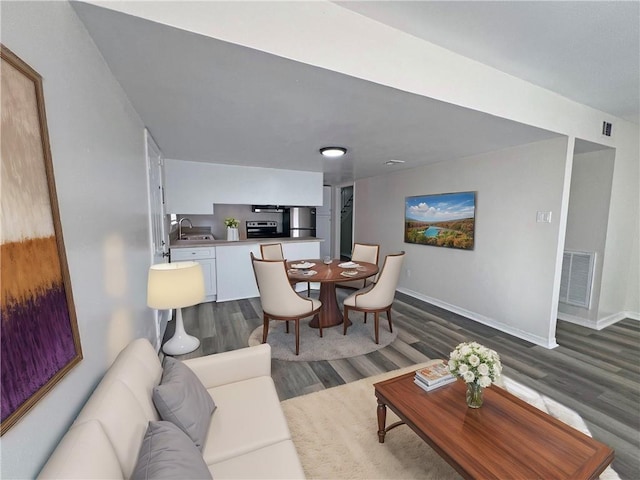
214,243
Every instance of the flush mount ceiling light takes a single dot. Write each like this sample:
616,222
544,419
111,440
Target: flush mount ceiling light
333,152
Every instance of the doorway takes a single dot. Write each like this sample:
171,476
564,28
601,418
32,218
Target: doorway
346,222
586,233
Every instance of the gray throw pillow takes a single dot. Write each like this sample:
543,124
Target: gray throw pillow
167,453
182,400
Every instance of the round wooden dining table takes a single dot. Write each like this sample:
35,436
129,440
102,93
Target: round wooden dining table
328,275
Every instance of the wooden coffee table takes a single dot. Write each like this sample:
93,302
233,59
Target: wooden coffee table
505,438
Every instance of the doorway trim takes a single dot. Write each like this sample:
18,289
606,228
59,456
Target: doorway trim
158,237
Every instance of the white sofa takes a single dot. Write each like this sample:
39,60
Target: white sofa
248,436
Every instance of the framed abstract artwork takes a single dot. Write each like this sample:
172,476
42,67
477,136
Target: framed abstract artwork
441,220
39,339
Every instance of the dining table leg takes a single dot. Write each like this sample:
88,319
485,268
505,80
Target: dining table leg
331,314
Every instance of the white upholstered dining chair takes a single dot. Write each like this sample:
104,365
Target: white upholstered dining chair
278,298
377,297
273,251
362,252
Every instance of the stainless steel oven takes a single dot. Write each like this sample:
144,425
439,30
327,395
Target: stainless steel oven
263,229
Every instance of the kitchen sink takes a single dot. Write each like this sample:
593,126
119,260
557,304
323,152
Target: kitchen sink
195,236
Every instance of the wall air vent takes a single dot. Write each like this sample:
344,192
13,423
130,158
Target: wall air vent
577,278
606,129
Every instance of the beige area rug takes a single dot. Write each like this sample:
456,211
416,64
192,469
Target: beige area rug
359,340
335,433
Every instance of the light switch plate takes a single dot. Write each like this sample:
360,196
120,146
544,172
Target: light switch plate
543,217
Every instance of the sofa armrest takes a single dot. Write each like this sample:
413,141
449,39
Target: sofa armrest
233,366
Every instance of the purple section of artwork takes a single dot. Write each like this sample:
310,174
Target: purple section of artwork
36,343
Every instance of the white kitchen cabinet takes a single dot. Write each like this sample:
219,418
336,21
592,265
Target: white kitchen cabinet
235,275
301,250
323,231
234,271
206,257
193,187
323,222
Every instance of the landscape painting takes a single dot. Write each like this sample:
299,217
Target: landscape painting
442,220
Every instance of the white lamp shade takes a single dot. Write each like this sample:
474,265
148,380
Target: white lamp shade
175,285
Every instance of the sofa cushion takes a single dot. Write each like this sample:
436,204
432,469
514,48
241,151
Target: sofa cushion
139,368
279,460
249,417
84,453
168,453
121,417
182,400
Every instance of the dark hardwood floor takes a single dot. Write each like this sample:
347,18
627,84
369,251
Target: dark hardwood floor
595,373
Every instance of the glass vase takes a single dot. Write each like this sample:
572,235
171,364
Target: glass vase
474,395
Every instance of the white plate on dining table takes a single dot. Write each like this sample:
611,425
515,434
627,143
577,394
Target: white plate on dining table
304,273
302,266
349,273
348,265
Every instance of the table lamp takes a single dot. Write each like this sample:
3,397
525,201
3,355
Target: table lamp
176,285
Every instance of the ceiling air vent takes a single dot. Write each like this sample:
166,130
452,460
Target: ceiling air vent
606,129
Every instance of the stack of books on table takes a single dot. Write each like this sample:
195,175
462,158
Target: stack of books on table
434,376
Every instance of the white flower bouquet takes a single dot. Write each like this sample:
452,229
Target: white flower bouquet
475,363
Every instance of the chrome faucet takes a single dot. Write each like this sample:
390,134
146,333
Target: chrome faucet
180,226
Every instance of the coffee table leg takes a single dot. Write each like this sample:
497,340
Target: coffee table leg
382,420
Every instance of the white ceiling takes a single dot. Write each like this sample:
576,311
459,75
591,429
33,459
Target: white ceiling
207,100
588,51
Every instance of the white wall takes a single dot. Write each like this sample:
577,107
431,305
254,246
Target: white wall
620,295
587,220
507,281
97,146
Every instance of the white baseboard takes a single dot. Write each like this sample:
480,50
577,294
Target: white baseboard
584,322
543,342
598,324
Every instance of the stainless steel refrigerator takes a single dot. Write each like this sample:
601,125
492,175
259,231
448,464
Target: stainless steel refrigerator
300,221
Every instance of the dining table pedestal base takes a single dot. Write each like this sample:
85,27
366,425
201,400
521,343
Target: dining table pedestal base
331,314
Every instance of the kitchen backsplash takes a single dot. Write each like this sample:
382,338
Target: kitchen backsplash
242,213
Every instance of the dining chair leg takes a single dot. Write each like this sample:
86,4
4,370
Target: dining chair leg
320,322
389,319
265,328
365,317
376,321
297,327
287,326
345,320
308,289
